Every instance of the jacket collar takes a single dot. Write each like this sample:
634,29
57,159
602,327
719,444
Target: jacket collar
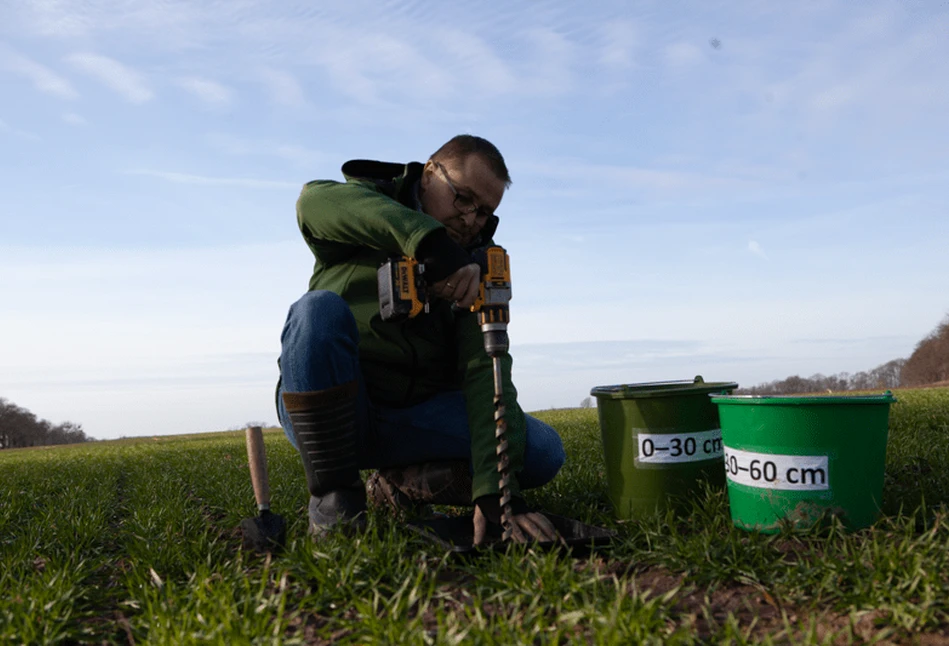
398,181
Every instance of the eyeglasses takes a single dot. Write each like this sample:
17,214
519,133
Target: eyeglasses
464,203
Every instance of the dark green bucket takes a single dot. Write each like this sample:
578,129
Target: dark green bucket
794,459
660,441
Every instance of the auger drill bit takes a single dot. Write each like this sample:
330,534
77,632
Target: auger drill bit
504,474
493,317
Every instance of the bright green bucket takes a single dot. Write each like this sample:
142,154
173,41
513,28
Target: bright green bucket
660,441
792,459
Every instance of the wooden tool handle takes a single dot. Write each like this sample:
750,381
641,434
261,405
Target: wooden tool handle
257,459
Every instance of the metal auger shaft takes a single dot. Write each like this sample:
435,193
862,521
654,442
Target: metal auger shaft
504,475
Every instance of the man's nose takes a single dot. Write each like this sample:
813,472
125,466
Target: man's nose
469,218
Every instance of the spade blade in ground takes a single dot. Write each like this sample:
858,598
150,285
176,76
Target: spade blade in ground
264,533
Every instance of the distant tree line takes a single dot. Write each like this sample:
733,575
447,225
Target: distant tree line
885,376
21,428
929,364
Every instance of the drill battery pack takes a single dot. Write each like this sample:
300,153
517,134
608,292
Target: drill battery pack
402,289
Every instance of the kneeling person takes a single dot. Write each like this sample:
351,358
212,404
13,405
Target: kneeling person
413,399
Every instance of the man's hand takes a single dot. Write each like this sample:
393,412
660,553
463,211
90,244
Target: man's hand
526,525
461,287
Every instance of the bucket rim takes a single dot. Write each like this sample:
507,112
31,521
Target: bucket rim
696,386
804,400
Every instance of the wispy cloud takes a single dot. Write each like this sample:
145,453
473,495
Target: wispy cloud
42,78
756,249
374,65
834,97
203,180
233,145
551,66
167,24
282,87
4,127
639,178
874,65
474,60
619,43
683,54
208,92
118,77
57,18
74,119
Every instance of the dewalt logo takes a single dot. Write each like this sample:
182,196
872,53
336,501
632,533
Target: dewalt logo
405,285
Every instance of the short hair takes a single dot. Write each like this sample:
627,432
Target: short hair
460,146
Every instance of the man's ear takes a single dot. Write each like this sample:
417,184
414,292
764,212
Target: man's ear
427,171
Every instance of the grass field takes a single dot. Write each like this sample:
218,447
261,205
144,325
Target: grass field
137,542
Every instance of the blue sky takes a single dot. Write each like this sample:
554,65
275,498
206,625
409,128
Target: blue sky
743,190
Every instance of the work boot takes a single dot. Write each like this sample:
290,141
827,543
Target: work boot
405,490
381,494
324,424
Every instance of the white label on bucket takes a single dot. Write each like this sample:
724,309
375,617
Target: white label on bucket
770,471
668,448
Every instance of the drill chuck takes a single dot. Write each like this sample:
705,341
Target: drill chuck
493,313
495,341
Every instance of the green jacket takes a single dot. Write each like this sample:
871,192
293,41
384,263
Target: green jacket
354,227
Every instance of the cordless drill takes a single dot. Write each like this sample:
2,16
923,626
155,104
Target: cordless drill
403,295
494,294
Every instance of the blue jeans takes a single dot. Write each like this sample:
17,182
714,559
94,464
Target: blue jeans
320,349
